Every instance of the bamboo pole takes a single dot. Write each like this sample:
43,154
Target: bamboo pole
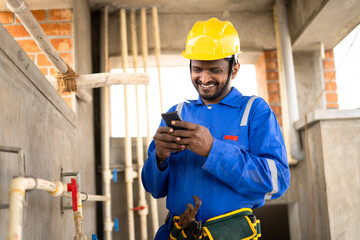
143,212
98,80
22,12
105,128
144,50
128,154
157,49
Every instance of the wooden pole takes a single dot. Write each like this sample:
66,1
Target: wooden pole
157,49
144,50
21,10
128,154
139,147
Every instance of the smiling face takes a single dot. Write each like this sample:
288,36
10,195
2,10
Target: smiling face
210,77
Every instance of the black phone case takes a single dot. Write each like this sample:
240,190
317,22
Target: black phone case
170,116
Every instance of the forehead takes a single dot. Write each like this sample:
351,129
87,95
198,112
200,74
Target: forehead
210,64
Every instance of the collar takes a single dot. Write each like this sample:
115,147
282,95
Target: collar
232,99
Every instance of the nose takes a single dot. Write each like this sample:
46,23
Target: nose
205,77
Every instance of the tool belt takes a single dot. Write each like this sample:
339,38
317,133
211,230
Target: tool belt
235,225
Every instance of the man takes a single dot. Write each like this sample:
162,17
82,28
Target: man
231,156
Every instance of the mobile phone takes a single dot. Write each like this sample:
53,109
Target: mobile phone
172,116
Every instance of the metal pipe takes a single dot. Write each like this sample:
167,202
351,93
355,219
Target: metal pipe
144,50
143,212
128,155
289,74
22,12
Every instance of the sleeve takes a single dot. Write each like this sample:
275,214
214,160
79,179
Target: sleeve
154,177
262,170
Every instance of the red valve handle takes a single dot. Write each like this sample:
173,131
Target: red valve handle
72,187
138,208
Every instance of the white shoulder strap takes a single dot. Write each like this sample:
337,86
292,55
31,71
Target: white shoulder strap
179,108
245,117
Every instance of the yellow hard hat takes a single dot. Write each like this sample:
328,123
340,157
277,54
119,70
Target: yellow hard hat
211,40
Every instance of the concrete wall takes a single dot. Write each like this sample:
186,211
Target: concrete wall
85,116
37,120
333,137
309,80
300,19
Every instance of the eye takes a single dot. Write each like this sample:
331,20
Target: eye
196,69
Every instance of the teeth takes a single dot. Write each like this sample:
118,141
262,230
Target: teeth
207,86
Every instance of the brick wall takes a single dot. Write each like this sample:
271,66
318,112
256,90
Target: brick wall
58,26
268,81
331,96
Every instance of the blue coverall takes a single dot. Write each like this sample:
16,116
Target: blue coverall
246,165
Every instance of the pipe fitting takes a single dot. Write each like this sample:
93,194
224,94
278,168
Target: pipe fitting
59,189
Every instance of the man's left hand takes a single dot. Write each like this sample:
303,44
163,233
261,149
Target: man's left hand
197,138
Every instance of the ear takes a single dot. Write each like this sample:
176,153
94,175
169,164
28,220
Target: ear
235,70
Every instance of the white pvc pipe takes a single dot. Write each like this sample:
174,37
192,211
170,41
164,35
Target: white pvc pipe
78,218
105,135
18,186
144,49
128,155
143,212
290,83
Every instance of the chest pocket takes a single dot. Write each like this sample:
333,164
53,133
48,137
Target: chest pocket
237,137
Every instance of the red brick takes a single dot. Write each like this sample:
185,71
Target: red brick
330,86
272,76
277,110
17,30
279,119
57,28
60,15
331,97
271,65
273,87
40,15
270,54
329,54
329,64
29,46
332,106
274,98
6,17
62,44
68,58
42,60
329,75
52,71
43,70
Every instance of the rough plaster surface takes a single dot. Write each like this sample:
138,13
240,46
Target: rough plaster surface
31,119
341,141
309,80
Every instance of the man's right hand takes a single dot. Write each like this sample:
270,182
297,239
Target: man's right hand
165,143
